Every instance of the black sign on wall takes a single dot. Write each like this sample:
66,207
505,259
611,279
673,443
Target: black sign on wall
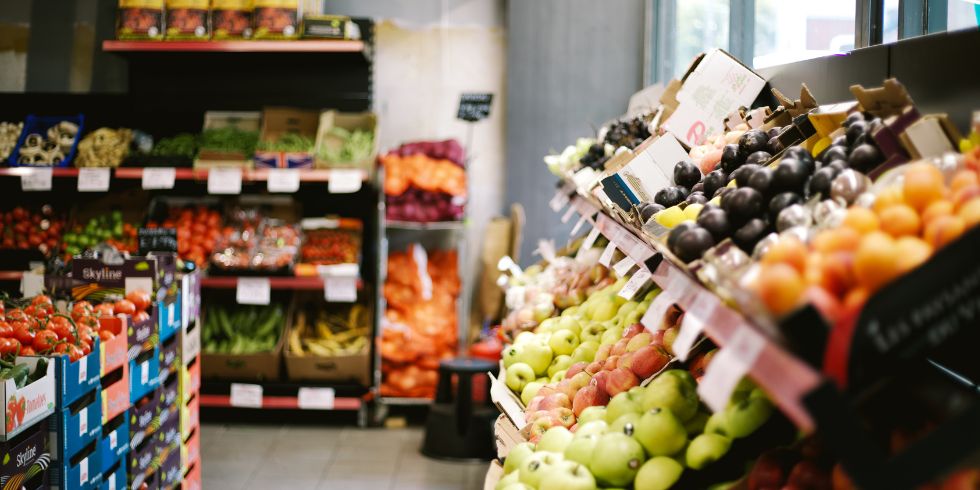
474,107
157,240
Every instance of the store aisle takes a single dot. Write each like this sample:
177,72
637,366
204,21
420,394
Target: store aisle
237,457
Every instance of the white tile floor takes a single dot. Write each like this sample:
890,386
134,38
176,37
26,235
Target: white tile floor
238,457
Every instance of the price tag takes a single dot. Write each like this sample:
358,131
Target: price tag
170,313
568,215
559,200
695,316
316,398
578,225
160,178
82,371
345,181
31,284
83,472
588,242
623,266
113,439
93,179
283,179
83,422
607,254
340,289
112,482
246,395
36,179
145,372
253,291
225,180
729,365
637,282
655,313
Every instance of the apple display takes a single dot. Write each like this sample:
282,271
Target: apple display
555,400
620,405
625,424
602,353
555,440
595,366
611,363
537,355
669,336
599,380
580,449
619,348
568,475
535,467
559,363
517,455
511,354
717,424
518,376
593,331
648,360
605,310
570,323
706,449
659,473
616,459
588,396
517,486
563,342
639,341
611,336
695,425
660,432
633,330
620,380
558,377
530,390
508,480
575,369
586,351
524,338
747,416
549,325
670,391
595,427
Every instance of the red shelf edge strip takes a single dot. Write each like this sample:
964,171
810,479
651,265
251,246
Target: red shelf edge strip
279,402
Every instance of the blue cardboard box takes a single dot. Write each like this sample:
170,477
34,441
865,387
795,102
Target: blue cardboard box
76,426
169,309
144,373
78,472
74,379
114,442
114,478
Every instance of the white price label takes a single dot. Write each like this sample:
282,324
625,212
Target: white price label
340,289
607,254
93,179
246,395
82,371
588,242
112,482
568,215
316,398
637,282
170,313
253,291
83,472
655,313
159,178
578,225
36,179
559,201
729,365
31,284
623,267
225,180
82,422
283,179
113,439
695,316
145,372
344,181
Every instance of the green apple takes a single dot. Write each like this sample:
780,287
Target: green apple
524,337
592,413
627,307
517,455
555,440
544,308
637,392
537,355
747,416
518,376
659,473
529,391
696,423
717,424
580,449
611,335
616,459
681,375
593,331
509,479
559,363
706,449
571,311
634,316
651,294
563,342
742,390
593,427
620,405
536,467
660,432
668,391
511,354
570,323
585,352
517,486
558,377
543,379
568,475
605,310
625,424
549,325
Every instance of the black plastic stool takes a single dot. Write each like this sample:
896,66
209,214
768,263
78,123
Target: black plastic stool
457,429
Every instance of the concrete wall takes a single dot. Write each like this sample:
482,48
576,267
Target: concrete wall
571,66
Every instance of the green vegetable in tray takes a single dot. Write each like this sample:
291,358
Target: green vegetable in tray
354,146
181,145
287,142
21,373
242,329
229,140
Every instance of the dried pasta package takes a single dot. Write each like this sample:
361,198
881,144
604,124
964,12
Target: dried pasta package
276,19
231,19
140,19
188,19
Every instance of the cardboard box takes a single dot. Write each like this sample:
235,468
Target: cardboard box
24,452
190,450
113,353
329,27
76,426
115,477
192,478
170,360
36,401
494,473
366,121
115,394
256,366
74,379
140,464
190,381
169,317
144,374
190,417
280,121
169,395
170,472
275,19
80,472
190,339
648,172
114,442
355,368
245,121
231,19
140,19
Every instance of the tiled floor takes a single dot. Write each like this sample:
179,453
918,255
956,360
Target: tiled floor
240,457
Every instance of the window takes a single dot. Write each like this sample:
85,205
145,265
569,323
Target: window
794,31
701,25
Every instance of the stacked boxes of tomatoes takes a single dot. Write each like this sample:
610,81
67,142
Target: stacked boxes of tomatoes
189,384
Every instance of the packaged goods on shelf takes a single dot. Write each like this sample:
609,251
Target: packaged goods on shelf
275,19
347,140
231,19
256,243
331,241
47,141
228,139
140,19
338,332
287,138
329,27
9,133
104,147
29,458
188,19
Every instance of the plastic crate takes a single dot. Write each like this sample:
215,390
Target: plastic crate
39,125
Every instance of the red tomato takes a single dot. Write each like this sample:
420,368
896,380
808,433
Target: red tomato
27,351
5,329
124,307
64,332
16,314
104,309
9,346
41,299
74,352
85,336
24,334
106,335
139,298
140,317
45,340
86,348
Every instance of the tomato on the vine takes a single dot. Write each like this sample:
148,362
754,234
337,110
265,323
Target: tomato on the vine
106,335
86,348
41,299
139,298
85,335
27,351
104,309
140,317
9,346
61,347
45,340
74,352
15,315
125,307
24,334
5,329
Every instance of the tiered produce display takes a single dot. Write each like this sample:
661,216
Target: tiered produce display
794,243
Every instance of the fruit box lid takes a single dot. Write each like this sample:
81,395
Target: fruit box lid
36,400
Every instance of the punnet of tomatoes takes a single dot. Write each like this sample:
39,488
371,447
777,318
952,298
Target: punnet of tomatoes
26,230
197,229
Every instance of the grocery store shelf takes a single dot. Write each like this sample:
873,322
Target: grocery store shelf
55,171
248,175
399,401
280,402
11,275
324,46
437,225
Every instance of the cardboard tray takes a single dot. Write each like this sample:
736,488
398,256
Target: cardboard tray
256,366
73,428
349,368
115,477
192,477
349,121
114,444
190,450
169,359
115,396
277,121
38,399
243,120
74,379
80,474
113,353
144,374
143,420
26,451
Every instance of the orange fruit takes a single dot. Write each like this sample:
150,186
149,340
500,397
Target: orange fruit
923,185
837,272
788,250
780,287
937,209
964,195
837,239
943,230
970,212
963,178
889,196
876,260
899,220
912,252
862,220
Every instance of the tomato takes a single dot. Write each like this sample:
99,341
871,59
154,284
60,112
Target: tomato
45,340
106,335
16,314
40,300
104,309
124,306
86,348
27,351
9,346
74,352
140,317
85,336
24,334
81,309
139,298
5,329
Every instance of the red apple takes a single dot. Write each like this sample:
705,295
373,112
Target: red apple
806,474
658,337
535,404
769,471
563,415
669,336
619,348
632,330
574,369
557,400
593,367
625,361
699,365
611,363
620,380
602,353
534,430
541,415
599,380
648,361
588,397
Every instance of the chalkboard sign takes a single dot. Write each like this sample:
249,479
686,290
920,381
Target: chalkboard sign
474,107
157,240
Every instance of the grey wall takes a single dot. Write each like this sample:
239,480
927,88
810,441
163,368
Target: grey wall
571,65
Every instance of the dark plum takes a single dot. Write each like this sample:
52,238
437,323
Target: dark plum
696,198
693,243
686,174
731,158
724,191
742,174
752,141
801,154
775,146
749,234
744,204
790,175
699,187
833,153
837,165
648,209
715,220
758,158
684,192
865,157
820,182
668,196
852,118
860,140
761,180
677,232
716,179
839,141
782,201
773,132
857,128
